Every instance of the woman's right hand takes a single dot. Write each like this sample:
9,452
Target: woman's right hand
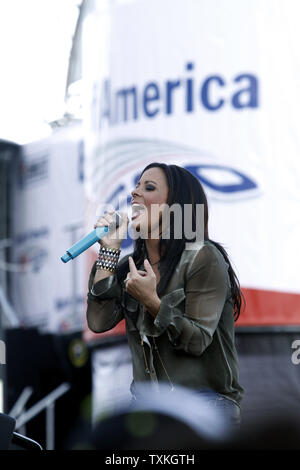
114,237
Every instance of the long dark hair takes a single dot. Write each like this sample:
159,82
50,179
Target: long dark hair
184,188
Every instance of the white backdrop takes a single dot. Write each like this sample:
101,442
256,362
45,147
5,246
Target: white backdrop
48,197
212,86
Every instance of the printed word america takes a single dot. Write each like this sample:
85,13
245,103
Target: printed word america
112,105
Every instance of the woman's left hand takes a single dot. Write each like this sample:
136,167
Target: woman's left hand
142,286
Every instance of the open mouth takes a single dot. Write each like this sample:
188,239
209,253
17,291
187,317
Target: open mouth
137,210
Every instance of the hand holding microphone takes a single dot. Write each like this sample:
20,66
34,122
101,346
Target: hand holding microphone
117,224
109,231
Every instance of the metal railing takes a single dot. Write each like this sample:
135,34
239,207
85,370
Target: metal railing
47,403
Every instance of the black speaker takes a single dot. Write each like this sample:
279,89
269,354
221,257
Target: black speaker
7,426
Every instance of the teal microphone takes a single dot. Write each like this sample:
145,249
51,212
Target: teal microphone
89,240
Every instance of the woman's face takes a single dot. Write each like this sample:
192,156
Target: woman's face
151,191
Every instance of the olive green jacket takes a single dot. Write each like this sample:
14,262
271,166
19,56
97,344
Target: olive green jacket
191,340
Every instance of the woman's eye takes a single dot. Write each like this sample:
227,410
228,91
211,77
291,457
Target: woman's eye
150,188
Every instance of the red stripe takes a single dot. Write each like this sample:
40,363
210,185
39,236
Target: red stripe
266,307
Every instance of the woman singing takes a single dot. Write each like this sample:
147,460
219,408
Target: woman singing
179,303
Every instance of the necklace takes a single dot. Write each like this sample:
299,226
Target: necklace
152,264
